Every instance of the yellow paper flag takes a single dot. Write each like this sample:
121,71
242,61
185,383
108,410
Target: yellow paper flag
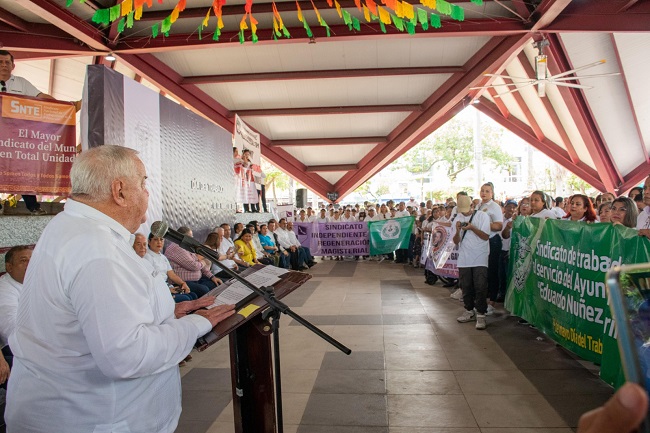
127,7
399,10
384,16
242,23
366,13
220,23
338,8
316,10
206,20
409,12
138,13
174,16
299,12
253,24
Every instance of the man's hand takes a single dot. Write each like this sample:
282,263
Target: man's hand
621,414
4,370
185,288
217,314
183,308
199,257
216,281
644,232
285,253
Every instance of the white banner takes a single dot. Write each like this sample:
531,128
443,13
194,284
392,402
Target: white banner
245,138
285,211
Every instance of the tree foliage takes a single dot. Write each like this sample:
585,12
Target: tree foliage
452,146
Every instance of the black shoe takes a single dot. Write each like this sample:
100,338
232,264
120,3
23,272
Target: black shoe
312,263
303,268
449,284
522,322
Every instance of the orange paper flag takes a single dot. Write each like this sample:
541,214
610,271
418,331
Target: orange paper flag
299,12
181,5
138,3
316,10
372,6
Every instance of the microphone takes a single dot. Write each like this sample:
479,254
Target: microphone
160,229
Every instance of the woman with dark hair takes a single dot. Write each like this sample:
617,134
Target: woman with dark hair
624,212
604,213
580,209
634,191
246,248
539,207
524,207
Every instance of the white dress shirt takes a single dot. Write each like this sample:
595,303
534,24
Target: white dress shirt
225,245
96,346
643,221
20,86
283,238
10,290
160,264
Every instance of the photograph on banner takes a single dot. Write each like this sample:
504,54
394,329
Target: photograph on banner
390,235
246,175
442,252
285,211
38,142
558,273
334,239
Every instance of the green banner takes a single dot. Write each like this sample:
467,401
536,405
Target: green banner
390,235
557,283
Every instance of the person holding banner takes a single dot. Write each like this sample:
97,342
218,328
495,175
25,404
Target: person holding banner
472,237
539,207
20,86
580,209
624,212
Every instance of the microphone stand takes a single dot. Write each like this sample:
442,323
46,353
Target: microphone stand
276,308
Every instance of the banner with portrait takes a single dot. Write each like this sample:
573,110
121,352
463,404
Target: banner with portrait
441,253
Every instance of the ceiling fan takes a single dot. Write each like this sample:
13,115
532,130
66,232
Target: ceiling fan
542,77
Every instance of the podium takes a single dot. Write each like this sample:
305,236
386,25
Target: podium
250,357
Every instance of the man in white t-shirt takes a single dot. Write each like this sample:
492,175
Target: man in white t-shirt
472,237
643,221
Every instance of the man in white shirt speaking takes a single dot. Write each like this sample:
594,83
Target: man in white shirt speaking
97,343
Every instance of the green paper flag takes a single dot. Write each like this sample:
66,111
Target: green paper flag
199,29
443,7
166,34
389,235
275,38
286,33
115,12
410,28
327,30
457,13
129,20
373,17
166,24
68,3
254,38
398,22
307,29
355,24
423,18
241,36
477,2
101,16
154,30
215,36
347,18
121,25
382,27
435,21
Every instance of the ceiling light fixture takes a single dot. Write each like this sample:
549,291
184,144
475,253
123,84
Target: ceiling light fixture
110,57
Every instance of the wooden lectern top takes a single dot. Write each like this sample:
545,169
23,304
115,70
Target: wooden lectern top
287,284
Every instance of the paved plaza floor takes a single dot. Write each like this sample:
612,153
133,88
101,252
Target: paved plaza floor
413,369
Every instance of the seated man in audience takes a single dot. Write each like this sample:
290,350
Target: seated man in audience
294,241
190,267
290,260
267,241
11,286
296,253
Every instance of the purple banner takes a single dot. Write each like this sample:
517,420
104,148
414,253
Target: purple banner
334,239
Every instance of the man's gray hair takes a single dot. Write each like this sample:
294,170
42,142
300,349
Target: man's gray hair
94,170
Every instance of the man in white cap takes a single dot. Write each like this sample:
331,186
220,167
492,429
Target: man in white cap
472,237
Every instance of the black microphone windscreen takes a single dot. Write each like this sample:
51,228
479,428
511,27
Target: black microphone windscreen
159,229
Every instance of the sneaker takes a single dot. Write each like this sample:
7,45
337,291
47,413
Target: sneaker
38,211
458,294
480,321
490,310
467,316
382,259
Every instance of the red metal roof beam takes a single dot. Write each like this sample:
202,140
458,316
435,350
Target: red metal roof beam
307,111
329,168
338,141
319,75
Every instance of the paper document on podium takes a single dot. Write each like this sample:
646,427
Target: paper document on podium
235,291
